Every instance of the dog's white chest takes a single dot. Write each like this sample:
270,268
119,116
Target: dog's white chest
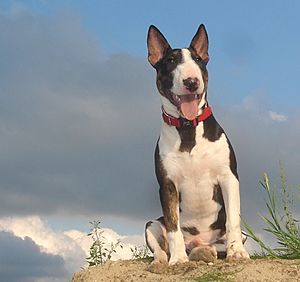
197,169
195,174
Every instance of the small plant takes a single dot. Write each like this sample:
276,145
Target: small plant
215,277
141,252
99,253
280,222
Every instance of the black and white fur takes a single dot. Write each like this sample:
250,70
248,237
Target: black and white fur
195,165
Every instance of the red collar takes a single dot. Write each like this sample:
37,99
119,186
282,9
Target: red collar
181,122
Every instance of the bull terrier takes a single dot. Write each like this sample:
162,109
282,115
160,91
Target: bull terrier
195,163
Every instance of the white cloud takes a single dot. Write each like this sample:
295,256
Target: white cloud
257,106
277,117
49,241
71,245
37,263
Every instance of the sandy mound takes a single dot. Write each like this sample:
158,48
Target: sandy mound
252,270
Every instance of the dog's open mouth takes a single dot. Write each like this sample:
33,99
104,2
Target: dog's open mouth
188,105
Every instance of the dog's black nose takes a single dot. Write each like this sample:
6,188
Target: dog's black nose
191,84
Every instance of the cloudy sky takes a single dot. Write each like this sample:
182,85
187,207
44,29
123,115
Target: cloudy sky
80,116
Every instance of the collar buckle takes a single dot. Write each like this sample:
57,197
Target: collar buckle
189,123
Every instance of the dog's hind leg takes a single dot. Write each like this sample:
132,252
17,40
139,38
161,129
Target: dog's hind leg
156,239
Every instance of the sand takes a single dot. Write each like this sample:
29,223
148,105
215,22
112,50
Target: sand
140,270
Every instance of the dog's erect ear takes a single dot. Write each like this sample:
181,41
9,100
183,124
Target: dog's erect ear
157,45
200,43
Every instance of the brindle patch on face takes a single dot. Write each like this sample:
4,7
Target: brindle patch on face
188,138
201,65
165,68
168,195
192,230
221,219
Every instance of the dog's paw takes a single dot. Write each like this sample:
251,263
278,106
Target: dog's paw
178,259
158,266
236,252
203,253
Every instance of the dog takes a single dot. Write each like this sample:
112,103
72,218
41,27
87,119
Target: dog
195,164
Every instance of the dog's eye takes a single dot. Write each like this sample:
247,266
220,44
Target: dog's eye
198,59
171,60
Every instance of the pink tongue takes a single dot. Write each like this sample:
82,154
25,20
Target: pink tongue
189,109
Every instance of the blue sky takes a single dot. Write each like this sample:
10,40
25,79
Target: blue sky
257,38
72,71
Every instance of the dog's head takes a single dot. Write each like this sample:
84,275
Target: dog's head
181,73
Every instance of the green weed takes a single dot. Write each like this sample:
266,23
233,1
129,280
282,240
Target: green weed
99,253
140,252
281,223
213,277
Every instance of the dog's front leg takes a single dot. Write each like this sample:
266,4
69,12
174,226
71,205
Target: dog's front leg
231,195
170,206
